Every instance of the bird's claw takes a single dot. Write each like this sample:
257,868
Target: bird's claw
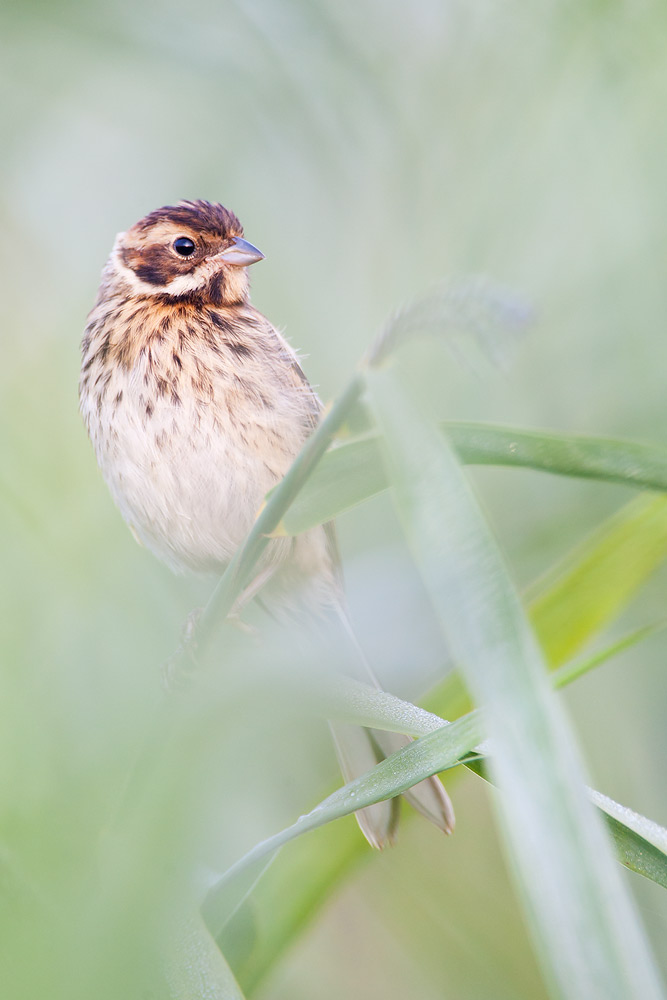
177,672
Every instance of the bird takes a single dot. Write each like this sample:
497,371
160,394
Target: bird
196,406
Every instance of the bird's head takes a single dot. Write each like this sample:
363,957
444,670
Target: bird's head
193,250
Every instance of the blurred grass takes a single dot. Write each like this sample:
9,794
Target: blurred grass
583,924
369,150
352,472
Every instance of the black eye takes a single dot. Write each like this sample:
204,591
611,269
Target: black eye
184,246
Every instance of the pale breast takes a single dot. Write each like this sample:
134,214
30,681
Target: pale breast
193,426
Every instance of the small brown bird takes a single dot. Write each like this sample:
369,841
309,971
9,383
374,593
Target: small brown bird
196,407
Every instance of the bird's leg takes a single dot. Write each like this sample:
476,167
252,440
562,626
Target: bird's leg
176,672
252,590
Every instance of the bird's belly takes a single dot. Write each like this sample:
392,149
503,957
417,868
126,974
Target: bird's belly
189,479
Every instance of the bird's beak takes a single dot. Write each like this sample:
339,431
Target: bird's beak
241,253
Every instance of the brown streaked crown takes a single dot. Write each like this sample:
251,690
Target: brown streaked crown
203,217
148,250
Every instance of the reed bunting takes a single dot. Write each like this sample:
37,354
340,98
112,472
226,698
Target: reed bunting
196,407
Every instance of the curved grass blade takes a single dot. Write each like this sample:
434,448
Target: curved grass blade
196,967
586,931
291,893
288,893
219,908
355,703
638,846
586,591
646,828
430,754
466,311
346,476
597,578
571,671
300,882
353,471
638,854
641,845
451,696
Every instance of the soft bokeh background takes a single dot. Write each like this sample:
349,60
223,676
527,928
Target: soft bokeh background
369,149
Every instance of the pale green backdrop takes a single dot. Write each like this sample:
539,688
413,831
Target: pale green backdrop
370,149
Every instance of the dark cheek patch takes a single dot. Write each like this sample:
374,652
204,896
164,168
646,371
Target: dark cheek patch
155,265
152,275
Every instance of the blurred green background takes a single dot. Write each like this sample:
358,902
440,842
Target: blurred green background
370,149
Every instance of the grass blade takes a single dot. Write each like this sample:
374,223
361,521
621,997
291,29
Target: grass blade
640,845
353,471
571,671
586,591
645,828
598,577
586,932
290,895
638,854
299,883
196,967
437,751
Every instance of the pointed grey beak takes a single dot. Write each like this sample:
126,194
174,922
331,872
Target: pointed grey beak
241,253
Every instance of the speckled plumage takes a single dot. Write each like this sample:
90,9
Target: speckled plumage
195,404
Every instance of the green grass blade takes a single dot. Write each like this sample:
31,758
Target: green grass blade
307,878
588,589
641,845
196,967
616,461
437,751
290,895
645,828
451,696
346,476
359,704
637,853
218,909
292,890
571,671
353,471
466,312
300,882
352,701
586,931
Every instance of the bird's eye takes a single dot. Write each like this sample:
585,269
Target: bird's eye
184,246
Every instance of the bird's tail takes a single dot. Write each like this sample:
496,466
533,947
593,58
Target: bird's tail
360,749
